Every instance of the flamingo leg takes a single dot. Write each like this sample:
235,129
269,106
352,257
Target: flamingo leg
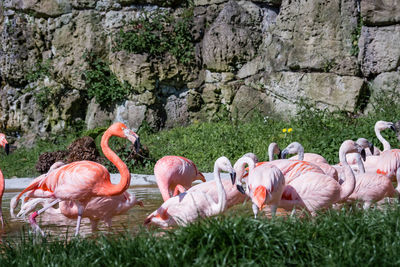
1,218
366,205
179,189
255,210
32,217
273,210
78,221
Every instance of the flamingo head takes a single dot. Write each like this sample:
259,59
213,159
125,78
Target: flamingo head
275,150
366,144
159,218
293,148
4,143
241,170
383,125
349,146
223,164
121,130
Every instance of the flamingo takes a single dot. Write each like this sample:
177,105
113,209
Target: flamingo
297,148
273,149
265,187
4,144
175,174
80,181
315,191
233,195
98,208
381,126
188,206
371,187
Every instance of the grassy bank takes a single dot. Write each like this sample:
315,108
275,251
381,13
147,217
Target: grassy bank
319,131
339,238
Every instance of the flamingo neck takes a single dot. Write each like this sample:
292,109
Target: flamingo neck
114,189
360,164
385,143
271,149
2,186
300,153
221,205
349,183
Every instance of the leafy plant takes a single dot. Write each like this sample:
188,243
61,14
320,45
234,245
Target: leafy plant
39,71
157,33
355,35
102,84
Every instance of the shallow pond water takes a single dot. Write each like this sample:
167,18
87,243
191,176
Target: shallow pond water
58,225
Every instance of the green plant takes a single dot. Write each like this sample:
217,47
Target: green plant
355,35
39,71
102,84
157,33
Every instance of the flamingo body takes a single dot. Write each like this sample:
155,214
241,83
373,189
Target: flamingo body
173,171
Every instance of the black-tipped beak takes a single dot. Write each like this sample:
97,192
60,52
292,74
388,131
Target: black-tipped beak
280,154
7,149
284,154
233,177
363,155
393,127
371,148
240,189
137,145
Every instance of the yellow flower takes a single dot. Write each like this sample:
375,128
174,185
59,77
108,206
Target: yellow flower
289,130
284,130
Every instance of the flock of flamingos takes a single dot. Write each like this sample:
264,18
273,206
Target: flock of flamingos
305,181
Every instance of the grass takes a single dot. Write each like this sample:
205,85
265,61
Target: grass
319,131
335,238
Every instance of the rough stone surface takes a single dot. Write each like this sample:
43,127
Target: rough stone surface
379,49
328,90
382,12
260,55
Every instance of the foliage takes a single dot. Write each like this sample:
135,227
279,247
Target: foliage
335,238
39,71
319,131
355,35
102,83
157,33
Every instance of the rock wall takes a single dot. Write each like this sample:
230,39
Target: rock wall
248,55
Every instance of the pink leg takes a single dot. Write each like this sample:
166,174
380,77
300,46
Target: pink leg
179,189
32,218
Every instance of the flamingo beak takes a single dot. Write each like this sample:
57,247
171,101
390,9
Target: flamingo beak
371,147
233,176
136,144
7,148
240,189
284,153
363,155
280,154
392,127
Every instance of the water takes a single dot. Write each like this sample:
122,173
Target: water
58,225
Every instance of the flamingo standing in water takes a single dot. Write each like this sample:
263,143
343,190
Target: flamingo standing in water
82,180
175,174
297,148
188,206
3,143
314,191
98,208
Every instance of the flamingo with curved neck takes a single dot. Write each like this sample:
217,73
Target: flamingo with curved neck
273,149
82,180
192,204
380,126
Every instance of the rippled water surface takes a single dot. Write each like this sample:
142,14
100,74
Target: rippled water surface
58,225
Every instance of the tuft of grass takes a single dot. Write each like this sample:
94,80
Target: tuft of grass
335,238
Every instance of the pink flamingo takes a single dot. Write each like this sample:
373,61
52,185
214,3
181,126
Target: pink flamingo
265,187
371,187
175,174
188,206
82,180
98,208
3,143
233,196
273,149
297,148
381,126
314,191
